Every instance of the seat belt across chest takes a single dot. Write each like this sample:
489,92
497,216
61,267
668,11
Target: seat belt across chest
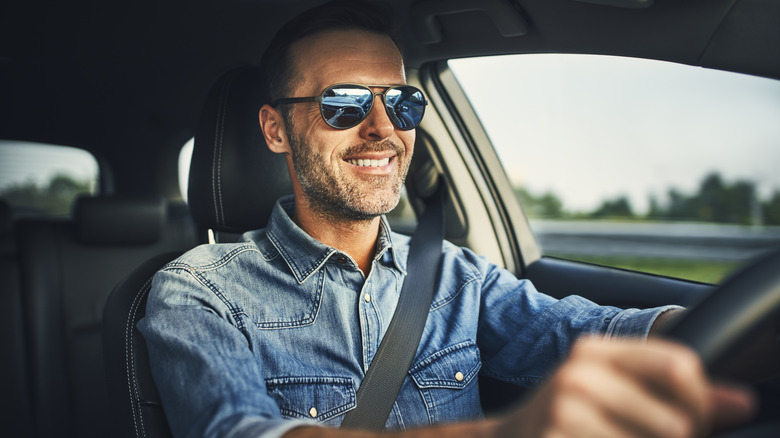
386,374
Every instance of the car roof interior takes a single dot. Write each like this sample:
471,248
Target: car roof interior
126,80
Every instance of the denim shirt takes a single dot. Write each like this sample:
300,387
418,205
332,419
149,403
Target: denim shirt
256,337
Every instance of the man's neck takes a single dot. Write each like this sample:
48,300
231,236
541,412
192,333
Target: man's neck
356,238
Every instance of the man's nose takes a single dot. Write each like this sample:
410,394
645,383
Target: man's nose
377,125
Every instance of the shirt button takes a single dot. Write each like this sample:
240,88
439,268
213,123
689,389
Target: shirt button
367,297
459,376
313,412
342,259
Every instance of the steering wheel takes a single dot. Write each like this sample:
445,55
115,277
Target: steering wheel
717,326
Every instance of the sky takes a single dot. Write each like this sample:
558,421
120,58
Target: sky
586,128
593,128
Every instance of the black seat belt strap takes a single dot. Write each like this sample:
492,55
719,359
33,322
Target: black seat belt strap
390,365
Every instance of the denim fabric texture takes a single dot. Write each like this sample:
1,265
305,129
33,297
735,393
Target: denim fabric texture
278,330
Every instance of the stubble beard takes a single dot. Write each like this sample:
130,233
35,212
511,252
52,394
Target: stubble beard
344,197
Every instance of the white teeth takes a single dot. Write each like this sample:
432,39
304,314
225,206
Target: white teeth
370,163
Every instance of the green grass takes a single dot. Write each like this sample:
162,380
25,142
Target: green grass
706,271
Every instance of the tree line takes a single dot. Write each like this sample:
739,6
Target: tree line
715,200
53,197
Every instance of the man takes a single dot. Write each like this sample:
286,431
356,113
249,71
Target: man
271,336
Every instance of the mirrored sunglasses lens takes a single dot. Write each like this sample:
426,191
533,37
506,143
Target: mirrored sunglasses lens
345,106
405,106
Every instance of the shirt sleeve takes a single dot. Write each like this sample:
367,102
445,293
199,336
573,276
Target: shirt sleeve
635,322
209,382
525,334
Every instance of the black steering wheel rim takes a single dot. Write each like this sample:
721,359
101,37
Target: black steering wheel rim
717,326
724,319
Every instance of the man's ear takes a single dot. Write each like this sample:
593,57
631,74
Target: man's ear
272,125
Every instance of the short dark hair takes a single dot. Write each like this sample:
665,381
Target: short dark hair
277,66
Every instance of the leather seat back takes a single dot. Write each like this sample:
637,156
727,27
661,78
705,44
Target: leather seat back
67,269
234,182
15,408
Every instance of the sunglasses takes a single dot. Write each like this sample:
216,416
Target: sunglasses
344,106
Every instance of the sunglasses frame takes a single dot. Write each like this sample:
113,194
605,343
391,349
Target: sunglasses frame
387,88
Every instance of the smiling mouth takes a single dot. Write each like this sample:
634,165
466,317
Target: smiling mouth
369,163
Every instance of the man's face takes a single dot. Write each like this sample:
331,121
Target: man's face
356,173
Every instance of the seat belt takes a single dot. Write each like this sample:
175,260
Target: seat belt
385,376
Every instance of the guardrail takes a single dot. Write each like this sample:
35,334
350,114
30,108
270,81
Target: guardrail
677,240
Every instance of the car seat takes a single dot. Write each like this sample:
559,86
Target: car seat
234,182
15,407
66,268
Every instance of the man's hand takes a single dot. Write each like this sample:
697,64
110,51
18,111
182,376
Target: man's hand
627,389
621,388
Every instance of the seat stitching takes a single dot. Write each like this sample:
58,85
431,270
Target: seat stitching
218,147
129,355
213,167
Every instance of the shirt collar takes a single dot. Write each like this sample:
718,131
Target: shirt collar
386,248
304,254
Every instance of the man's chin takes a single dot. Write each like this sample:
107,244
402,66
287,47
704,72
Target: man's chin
365,213
358,212
353,202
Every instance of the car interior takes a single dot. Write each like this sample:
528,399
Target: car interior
130,83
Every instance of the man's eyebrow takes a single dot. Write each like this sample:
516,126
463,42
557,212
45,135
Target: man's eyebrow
381,85
384,86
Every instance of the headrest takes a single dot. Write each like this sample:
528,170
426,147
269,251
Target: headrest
120,221
234,178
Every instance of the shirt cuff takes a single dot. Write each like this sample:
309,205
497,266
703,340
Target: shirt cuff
634,322
258,427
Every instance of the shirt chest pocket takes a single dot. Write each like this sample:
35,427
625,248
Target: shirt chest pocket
323,399
447,381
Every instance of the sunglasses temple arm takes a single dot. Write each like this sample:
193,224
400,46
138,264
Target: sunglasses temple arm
288,100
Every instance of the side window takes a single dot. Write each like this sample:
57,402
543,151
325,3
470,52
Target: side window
637,164
43,180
